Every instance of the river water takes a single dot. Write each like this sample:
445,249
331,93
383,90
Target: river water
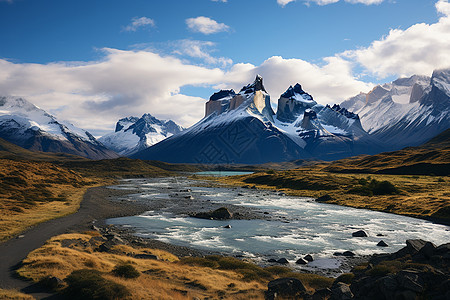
298,226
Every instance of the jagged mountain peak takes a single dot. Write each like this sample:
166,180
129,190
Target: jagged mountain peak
30,127
257,85
134,134
222,94
293,92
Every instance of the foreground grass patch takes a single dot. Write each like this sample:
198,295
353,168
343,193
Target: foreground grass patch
34,192
14,295
165,278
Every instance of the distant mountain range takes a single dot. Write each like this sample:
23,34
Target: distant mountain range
406,112
30,127
134,134
243,128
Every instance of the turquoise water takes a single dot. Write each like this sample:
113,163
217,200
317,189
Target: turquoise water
222,173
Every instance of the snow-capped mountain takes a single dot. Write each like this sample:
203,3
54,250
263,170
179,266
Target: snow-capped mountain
134,134
243,128
406,112
30,127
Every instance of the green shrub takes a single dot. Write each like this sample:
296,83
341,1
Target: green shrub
372,187
278,270
126,271
88,284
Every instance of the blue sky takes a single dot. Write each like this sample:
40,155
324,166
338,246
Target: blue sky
167,57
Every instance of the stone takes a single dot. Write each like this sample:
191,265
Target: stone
341,292
286,288
428,250
324,198
272,260
359,233
301,261
219,214
348,254
227,226
146,256
51,282
380,234
308,258
415,245
282,261
322,294
382,244
409,279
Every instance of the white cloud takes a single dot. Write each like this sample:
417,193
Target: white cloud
224,1
443,7
206,25
419,49
137,23
330,83
202,50
94,95
284,2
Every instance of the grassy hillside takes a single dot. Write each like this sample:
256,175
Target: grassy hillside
432,158
36,186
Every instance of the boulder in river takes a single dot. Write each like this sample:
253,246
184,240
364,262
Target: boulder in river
382,244
359,233
219,214
301,261
282,261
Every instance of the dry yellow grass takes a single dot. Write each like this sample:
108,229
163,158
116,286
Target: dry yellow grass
420,196
160,279
35,192
14,295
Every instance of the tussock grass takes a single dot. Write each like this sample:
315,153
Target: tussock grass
166,278
34,192
14,295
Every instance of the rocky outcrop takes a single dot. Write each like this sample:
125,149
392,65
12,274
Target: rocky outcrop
285,288
421,270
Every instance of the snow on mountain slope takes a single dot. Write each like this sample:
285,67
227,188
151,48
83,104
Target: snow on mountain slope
134,134
406,112
242,128
30,127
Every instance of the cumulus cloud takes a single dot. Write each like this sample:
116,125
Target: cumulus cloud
205,25
94,95
137,23
419,49
329,83
201,50
284,2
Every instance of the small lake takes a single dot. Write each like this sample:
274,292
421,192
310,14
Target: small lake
299,226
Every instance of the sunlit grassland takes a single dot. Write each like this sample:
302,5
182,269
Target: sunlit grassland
169,277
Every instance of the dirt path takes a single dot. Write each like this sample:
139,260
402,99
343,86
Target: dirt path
95,206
